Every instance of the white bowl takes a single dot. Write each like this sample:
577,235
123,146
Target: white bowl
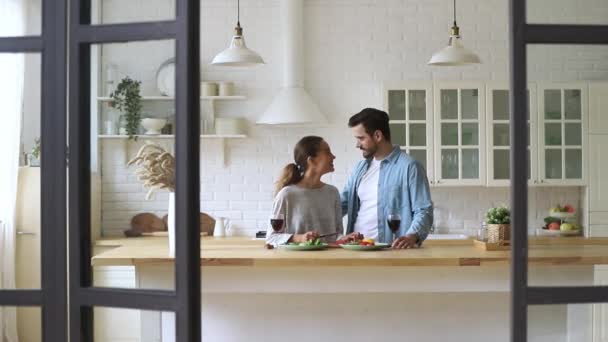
152,125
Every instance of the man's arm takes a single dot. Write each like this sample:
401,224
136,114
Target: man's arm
420,199
346,191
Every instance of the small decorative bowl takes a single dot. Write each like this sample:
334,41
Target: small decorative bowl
153,126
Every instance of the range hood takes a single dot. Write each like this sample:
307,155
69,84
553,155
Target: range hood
292,105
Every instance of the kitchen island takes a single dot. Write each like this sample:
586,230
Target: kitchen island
445,291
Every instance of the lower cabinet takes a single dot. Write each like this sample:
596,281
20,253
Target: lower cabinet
110,324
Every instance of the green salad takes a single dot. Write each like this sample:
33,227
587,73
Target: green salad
316,242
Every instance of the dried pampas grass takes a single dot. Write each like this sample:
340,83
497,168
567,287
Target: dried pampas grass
156,168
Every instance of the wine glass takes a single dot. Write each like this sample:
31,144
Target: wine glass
277,221
394,221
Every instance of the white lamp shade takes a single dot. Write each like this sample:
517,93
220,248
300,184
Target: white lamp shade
237,55
292,106
454,54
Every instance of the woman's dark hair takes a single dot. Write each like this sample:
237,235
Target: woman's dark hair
372,120
292,173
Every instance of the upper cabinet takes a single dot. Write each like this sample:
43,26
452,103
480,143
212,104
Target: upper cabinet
498,133
562,143
411,120
459,133
598,108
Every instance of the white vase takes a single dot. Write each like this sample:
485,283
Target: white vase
171,224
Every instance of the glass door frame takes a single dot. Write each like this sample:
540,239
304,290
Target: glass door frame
52,295
520,35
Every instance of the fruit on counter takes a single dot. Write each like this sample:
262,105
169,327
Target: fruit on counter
554,226
568,208
556,209
567,226
550,219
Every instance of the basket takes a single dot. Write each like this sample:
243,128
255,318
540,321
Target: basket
499,233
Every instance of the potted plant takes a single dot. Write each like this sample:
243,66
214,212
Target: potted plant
498,220
126,98
35,153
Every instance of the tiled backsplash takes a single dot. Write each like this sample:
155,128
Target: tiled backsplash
243,190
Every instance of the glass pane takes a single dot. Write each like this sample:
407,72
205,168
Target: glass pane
574,164
417,134
29,324
573,134
553,164
396,104
20,176
567,322
470,163
114,324
580,12
120,206
470,134
419,155
449,104
553,104
553,134
21,18
398,134
118,12
470,100
449,134
572,102
417,104
501,164
501,134
500,104
449,164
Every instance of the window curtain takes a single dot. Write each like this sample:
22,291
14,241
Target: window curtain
12,23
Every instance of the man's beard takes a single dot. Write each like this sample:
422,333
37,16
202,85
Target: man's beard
369,152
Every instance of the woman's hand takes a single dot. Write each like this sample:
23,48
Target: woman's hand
350,238
304,237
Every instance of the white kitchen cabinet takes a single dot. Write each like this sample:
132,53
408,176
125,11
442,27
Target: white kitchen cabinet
459,133
598,174
562,120
410,111
598,108
498,134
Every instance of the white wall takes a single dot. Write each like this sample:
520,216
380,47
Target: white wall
351,48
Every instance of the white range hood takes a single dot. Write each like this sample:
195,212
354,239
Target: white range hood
292,105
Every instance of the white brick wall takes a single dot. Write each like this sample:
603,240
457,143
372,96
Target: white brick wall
351,47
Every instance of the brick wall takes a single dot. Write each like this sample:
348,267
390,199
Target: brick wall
351,47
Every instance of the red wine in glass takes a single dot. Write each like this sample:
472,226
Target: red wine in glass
277,222
394,221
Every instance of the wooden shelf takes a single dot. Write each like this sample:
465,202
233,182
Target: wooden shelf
170,98
124,139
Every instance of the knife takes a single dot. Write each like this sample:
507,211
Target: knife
326,235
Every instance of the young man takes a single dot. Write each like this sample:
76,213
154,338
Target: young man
388,181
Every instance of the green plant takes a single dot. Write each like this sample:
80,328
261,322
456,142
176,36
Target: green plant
498,215
127,99
36,148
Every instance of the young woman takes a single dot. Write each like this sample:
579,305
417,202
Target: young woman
310,208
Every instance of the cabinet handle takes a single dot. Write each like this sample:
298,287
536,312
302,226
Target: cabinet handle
438,181
542,180
432,182
24,232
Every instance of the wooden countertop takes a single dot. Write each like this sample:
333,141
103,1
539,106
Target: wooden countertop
242,251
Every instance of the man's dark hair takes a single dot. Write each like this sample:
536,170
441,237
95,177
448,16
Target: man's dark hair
372,120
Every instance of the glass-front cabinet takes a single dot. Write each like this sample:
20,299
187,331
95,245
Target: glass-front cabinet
409,107
498,134
563,115
459,127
